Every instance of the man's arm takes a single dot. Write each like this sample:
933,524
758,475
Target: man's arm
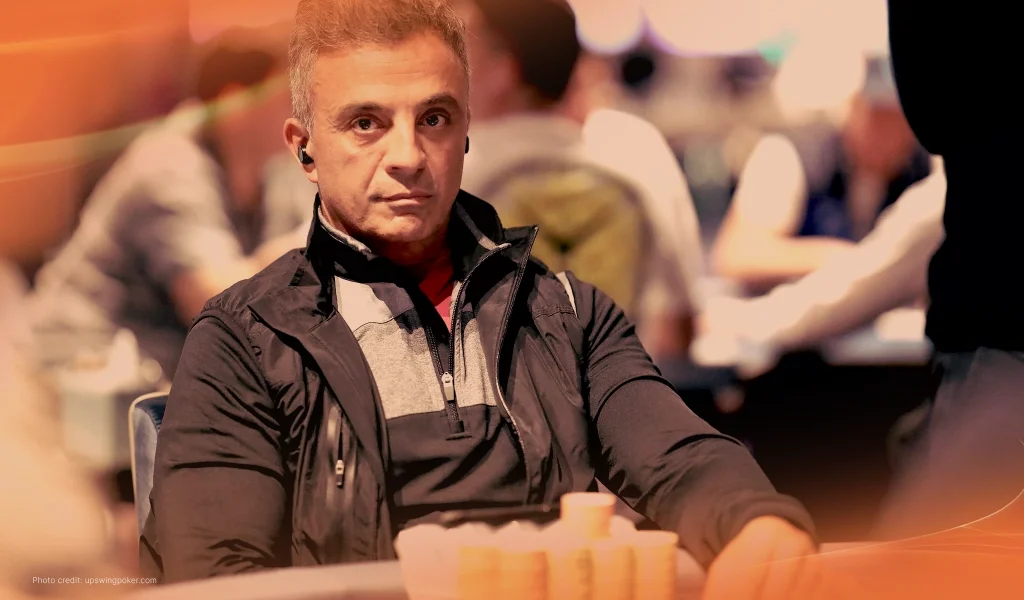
219,496
756,244
887,269
656,454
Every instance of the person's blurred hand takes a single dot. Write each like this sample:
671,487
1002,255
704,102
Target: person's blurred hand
733,332
760,320
726,317
769,559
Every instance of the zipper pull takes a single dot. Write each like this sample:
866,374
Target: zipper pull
448,382
339,473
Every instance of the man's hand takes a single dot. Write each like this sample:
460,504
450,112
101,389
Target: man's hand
769,559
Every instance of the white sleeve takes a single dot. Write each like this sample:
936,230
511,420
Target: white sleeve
887,268
635,149
771,193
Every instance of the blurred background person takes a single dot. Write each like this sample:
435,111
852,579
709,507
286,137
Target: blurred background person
886,270
181,215
786,220
595,180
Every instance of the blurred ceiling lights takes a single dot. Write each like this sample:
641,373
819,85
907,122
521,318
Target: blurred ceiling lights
717,27
609,26
691,27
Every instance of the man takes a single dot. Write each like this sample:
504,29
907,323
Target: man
414,358
524,57
968,460
179,216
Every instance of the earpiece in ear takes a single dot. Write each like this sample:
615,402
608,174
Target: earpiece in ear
467,144
303,157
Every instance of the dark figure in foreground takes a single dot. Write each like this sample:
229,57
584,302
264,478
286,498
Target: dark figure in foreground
967,460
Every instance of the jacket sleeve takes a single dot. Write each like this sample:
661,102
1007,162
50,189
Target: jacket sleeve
655,453
219,493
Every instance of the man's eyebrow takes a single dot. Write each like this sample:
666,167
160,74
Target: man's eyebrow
348,111
443,99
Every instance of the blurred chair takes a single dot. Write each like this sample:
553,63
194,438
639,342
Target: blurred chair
591,223
144,418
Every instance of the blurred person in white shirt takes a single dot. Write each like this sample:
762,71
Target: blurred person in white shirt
888,269
788,218
535,96
197,203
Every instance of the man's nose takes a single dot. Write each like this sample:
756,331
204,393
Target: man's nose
404,154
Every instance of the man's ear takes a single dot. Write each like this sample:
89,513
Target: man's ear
296,136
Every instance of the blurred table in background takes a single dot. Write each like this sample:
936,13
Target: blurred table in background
819,420
95,380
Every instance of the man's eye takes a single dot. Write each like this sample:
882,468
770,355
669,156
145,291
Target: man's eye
436,120
364,124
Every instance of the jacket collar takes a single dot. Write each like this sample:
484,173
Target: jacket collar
304,310
474,230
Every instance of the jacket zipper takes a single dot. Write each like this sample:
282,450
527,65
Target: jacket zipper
497,383
336,493
334,437
455,423
456,313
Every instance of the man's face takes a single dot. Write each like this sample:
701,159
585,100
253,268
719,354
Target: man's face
388,138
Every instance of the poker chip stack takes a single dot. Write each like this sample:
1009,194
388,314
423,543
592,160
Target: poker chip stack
613,571
570,565
588,554
523,569
654,564
478,563
587,515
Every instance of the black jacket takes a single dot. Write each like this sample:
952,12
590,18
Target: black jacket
273,391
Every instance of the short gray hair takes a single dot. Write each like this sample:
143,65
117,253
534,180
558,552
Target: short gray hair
331,24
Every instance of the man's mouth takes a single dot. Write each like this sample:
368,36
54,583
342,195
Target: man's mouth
407,196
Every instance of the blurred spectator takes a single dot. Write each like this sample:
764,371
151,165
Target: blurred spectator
180,216
609,195
785,221
885,270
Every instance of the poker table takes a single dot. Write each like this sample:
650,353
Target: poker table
361,581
